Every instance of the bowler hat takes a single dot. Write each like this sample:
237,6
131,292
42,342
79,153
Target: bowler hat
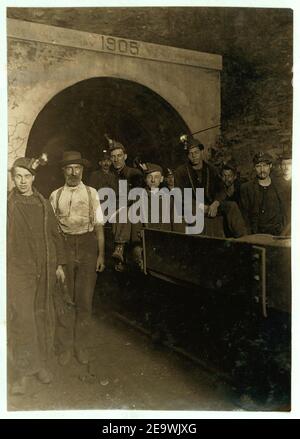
73,158
261,156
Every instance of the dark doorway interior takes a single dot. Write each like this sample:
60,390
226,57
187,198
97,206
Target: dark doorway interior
79,116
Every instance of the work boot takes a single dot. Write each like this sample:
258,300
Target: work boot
44,376
120,267
82,356
19,387
137,254
64,358
119,252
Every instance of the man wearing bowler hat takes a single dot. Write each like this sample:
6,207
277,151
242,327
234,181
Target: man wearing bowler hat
261,199
78,211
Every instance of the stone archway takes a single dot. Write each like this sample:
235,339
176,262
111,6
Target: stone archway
45,60
79,116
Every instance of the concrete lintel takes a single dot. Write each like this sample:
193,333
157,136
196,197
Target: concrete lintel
26,30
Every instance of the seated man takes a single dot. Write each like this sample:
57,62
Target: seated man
261,199
231,181
231,186
133,177
159,216
197,173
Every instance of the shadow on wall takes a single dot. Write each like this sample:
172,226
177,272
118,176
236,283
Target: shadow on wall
79,116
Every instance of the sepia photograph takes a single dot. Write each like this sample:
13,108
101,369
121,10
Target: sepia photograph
148,238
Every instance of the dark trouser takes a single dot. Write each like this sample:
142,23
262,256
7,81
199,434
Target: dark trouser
270,229
73,327
229,221
28,326
234,225
130,232
122,232
234,222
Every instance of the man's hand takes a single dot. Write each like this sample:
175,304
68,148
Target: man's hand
213,209
204,208
60,274
100,264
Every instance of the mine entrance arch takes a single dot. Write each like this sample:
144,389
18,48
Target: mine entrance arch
80,116
43,61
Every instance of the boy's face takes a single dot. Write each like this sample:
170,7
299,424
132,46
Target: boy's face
118,158
195,155
170,180
23,180
105,164
154,179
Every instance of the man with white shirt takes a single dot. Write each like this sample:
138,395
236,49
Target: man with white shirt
78,211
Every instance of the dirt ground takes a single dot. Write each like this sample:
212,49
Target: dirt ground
126,371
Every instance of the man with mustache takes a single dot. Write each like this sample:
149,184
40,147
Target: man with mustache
78,211
261,199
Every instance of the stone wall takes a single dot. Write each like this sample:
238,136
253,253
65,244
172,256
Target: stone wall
257,102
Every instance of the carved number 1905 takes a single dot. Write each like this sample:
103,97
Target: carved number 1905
118,45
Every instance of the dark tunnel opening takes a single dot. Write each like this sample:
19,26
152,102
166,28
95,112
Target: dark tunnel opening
79,116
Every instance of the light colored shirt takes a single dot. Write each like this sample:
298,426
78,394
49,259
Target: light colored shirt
73,209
